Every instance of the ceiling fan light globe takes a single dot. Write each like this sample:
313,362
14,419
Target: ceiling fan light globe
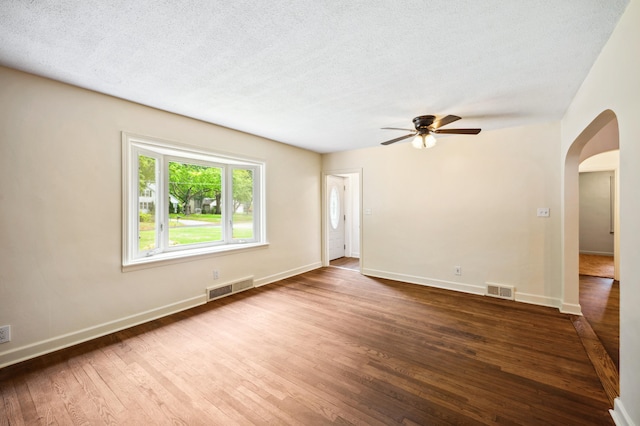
418,142
430,141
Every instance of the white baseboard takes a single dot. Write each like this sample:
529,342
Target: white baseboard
620,415
571,308
599,253
430,282
33,350
535,299
44,347
287,274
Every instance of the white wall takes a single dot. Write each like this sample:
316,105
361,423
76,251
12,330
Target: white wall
471,201
613,84
60,198
354,200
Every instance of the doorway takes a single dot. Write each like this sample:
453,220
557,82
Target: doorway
594,303
599,136
336,188
598,213
341,219
599,289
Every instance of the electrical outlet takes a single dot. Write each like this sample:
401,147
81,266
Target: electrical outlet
216,275
543,212
458,270
5,333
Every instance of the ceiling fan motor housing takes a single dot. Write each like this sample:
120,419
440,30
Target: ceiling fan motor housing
423,122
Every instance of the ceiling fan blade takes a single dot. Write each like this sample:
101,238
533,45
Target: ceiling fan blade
458,131
397,128
444,121
389,142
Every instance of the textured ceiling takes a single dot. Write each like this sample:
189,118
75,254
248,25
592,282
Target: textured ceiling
321,75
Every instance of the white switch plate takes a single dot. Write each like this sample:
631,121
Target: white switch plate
543,211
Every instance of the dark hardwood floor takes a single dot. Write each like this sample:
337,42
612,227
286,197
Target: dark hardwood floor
327,347
600,301
597,265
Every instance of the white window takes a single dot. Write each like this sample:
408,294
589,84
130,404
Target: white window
181,201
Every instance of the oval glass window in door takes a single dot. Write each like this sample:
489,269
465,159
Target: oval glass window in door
334,208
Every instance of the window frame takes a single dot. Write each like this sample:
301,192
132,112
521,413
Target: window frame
167,151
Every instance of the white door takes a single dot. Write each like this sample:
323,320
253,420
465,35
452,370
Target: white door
335,216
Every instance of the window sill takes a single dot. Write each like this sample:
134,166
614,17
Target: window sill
169,258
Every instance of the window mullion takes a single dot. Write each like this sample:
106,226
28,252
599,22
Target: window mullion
227,203
163,215
257,204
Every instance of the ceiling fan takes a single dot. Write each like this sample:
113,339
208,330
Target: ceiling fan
426,125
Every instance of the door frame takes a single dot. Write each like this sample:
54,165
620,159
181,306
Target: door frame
325,216
570,303
616,209
338,231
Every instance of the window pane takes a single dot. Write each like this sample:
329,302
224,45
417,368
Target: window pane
147,201
195,204
243,204
334,208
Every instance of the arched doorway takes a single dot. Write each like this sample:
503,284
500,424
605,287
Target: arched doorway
599,136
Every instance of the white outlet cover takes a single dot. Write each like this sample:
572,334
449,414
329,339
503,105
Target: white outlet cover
5,333
543,211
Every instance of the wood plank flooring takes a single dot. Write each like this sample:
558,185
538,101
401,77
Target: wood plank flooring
352,263
606,370
600,301
597,265
327,347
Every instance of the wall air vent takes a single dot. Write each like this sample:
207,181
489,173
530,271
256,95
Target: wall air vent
500,290
229,288
214,293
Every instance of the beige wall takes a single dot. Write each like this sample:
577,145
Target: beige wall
612,87
471,201
596,212
60,197
608,160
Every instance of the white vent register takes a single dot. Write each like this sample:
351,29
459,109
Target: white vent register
229,288
500,290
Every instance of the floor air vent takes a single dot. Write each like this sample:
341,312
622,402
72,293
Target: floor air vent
501,291
229,288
